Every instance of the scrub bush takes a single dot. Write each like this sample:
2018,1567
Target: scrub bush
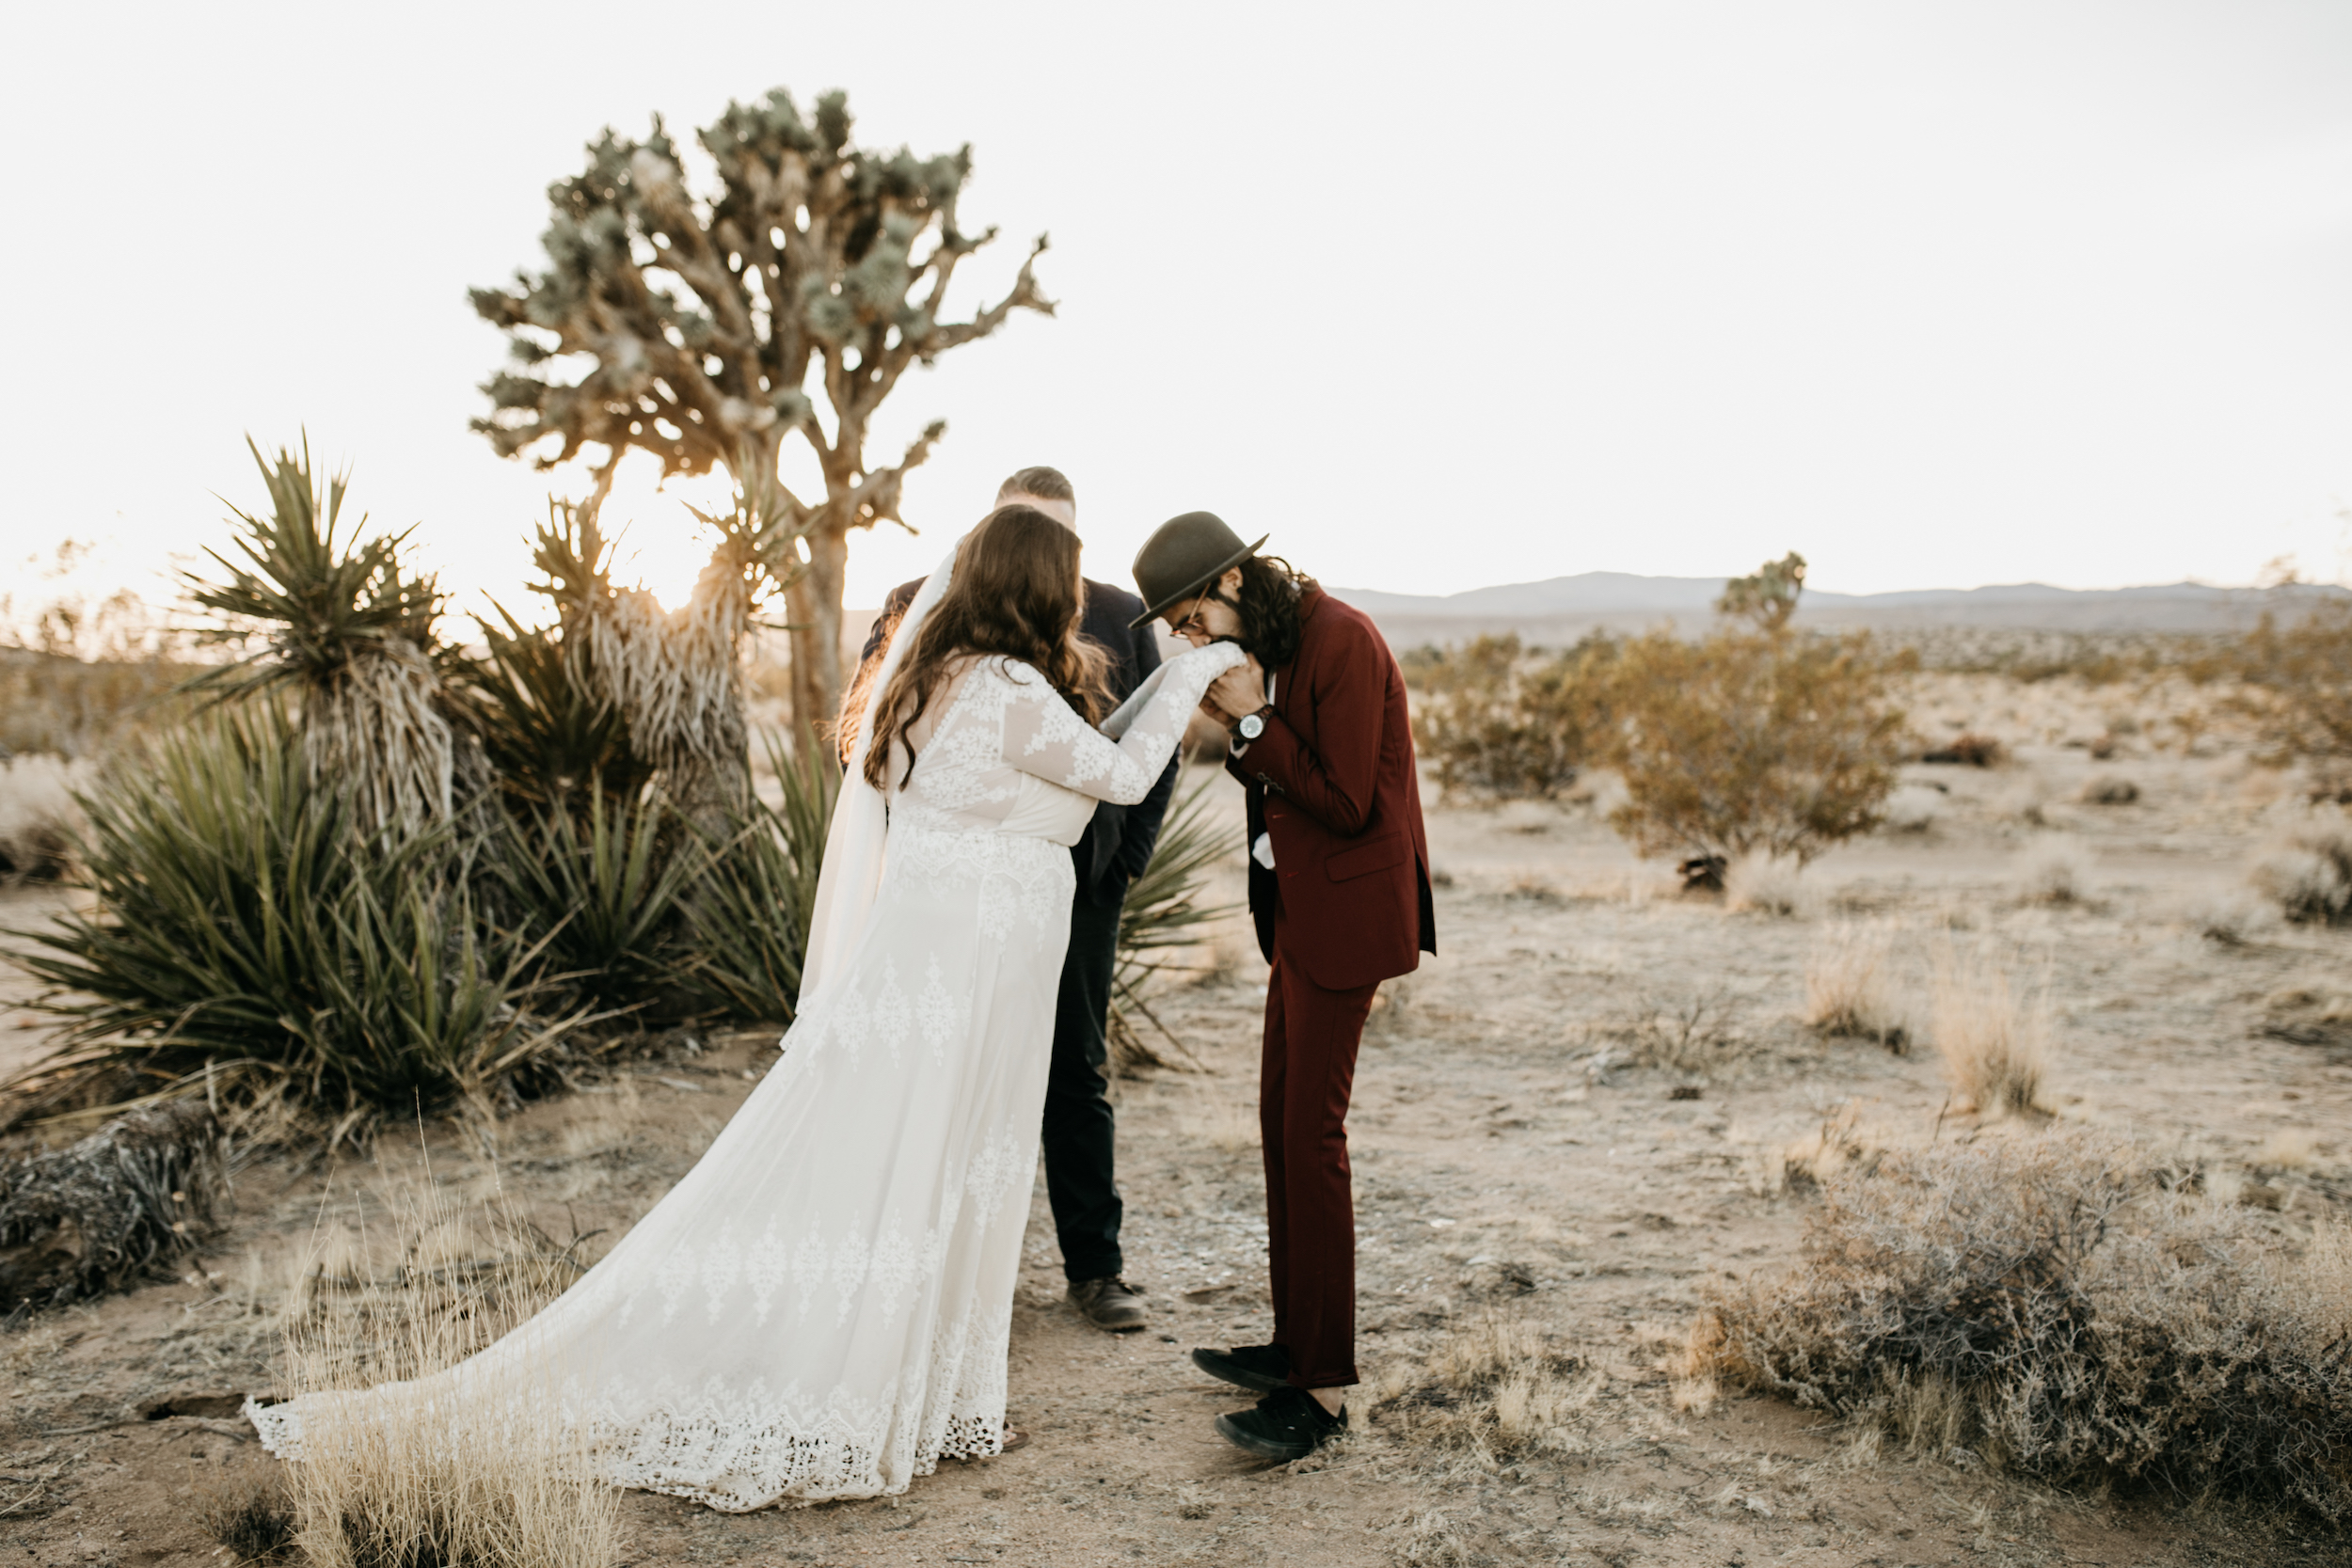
1752,742
2047,1304
1500,724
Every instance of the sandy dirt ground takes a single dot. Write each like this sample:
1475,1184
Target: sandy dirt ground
1512,1158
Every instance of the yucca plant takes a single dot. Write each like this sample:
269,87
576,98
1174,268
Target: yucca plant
747,925
597,893
545,731
537,701
249,929
346,629
1163,915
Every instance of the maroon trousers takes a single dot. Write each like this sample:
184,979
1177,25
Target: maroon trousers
1305,1077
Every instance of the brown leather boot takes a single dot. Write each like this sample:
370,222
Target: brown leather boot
1108,1304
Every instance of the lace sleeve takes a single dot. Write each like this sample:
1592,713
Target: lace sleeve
1045,737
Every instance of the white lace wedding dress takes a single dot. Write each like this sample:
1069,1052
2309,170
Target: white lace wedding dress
820,1307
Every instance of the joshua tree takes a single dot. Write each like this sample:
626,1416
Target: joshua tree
1768,597
706,317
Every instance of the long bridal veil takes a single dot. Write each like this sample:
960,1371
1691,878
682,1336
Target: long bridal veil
851,876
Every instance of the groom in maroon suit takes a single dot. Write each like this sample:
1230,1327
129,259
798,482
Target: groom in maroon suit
1339,887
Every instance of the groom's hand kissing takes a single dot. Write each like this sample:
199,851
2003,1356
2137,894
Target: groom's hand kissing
1236,693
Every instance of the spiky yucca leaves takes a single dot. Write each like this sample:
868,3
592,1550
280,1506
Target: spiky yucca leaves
349,631
1163,914
249,930
598,895
747,926
545,729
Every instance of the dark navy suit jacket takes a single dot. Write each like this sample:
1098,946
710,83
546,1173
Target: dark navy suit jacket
1119,840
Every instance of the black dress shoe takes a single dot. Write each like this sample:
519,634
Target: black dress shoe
1285,1425
1259,1368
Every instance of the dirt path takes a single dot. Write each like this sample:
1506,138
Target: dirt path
1509,1161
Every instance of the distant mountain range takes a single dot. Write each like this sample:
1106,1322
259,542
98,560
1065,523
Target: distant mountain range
1619,601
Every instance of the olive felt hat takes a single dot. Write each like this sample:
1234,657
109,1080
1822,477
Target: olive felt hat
1184,556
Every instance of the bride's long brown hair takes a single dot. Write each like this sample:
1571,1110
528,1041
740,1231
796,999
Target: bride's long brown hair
1015,594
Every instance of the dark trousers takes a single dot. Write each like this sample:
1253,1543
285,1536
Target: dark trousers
1305,1077
1078,1121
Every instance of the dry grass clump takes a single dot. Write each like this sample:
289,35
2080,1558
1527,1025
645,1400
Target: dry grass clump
2310,1015
490,1476
2109,791
2045,1304
1692,1032
1767,884
2232,917
2309,877
1913,809
1496,1389
1850,985
2056,871
253,1524
39,819
1995,1047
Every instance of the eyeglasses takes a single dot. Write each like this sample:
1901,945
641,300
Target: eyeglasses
1206,593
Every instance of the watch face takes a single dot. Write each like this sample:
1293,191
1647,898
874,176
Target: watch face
1251,727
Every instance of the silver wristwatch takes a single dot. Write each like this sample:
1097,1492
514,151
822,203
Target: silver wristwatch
1252,726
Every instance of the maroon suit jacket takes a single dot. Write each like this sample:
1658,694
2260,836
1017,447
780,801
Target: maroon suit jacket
1332,781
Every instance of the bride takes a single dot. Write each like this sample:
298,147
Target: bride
820,1307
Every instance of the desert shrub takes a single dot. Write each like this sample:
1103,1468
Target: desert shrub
247,932
1995,1046
2309,877
2309,1015
1766,884
489,1474
2297,684
2095,658
1499,1388
2046,1303
1501,724
38,815
2109,791
1686,1032
2231,916
2055,871
1850,985
1751,741
57,704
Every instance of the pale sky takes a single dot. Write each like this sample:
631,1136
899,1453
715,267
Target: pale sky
1438,295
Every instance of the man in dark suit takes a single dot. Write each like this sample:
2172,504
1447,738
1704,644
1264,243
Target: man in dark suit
1339,887
1117,846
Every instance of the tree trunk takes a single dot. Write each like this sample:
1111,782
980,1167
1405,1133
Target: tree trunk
814,602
